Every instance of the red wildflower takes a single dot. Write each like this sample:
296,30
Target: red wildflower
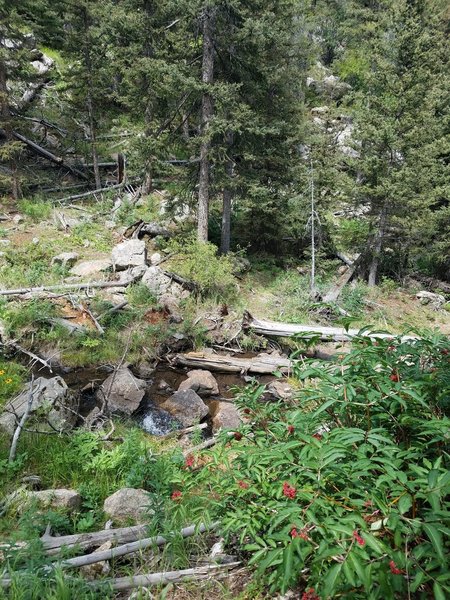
317,436
176,495
391,348
243,484
310,595
290,429
247,411
394,569
237,436
294,533
368,503
359,540
304,534
289,491
189,461
394,377
445,351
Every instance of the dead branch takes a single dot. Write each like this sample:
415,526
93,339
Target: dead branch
67,286
113,309
33,356
20,426
206,444
264,364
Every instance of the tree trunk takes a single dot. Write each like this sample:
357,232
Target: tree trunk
5,115
93,136
377,247
227,199
207,112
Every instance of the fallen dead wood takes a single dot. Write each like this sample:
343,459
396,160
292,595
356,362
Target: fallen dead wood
264,364
129,548
333,294
91,193
326,334
34,357
153,579
206,444
67,286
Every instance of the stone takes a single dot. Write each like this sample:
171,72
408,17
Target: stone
280,389
202,382
65,259
35,241
320,110
145,369
88,268
17,219
226,417
22,499
5,242
186,406
155,258
434,300
123,391
128,504
131,253
57,406
131,274
62,220
97,569
158,282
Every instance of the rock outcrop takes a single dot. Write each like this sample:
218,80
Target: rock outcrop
131,253
122,391
127,504
226,417
202,382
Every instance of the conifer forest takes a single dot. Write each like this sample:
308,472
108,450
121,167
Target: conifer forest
224,299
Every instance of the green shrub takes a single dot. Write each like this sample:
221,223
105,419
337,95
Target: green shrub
12,377
37,209
346,491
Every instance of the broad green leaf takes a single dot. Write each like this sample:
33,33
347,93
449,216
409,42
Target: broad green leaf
435,537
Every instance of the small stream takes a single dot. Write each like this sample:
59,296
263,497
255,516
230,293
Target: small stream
163,383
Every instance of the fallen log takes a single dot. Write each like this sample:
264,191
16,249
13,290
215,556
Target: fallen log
264,364
91,193
122,535
325,334
66,286
129,548
333,294
153,579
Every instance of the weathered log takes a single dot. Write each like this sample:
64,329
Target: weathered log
333,294
90,193
66,286
346,259
264,364
153,579
122,535
94,557
35,358
326,334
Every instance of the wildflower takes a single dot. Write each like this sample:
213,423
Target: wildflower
2,372
189,461
310,595
304,534
290,429
391,348
243,484
247,411
9,380
394,377
294,533
176,495
237,436
368,503
289,491
317,436
394,569
445,351
359,540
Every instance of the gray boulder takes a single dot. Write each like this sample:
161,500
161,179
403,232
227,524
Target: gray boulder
186,406
122,391
226,417
202,382
22,499
54,406
65,259
127,504
88,268
280,389
429,298
131,253
161,285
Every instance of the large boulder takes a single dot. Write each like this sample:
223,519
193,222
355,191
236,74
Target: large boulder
429,298
65,259
127,504
280,389
226,417
22,499
186,406
202,382
131,253
162,285
53,406
122,391
89,268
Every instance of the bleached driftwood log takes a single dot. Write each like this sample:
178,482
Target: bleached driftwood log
121,535
264,364
67,286
326,334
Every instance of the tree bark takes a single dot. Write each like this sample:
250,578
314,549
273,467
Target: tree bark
207,113
5,115
264,364
377,247
227,198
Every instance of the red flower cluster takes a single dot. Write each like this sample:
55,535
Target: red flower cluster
290,429
394,377
243,484
310,595
189,461
289,491
176,495
247,411
237,436
302,534
394,569
359,540
445,351
317,436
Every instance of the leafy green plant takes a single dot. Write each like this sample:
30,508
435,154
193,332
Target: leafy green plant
12,377
37,208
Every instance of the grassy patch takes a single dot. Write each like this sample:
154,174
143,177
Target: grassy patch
36,209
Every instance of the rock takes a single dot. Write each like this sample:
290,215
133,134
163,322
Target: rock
161,284
280,389
241,265
131,274
320,110
202,382
155,258
35,241
17,219
65,259
22,499
186,406
164,386
97,569
63,220
145,369
57,406
87,268
127,504
123,391
226,417
435,300
5,242
131,253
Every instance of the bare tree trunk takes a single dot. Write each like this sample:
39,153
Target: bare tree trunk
207,113
227,198
377,247
93,137
185,126
5,115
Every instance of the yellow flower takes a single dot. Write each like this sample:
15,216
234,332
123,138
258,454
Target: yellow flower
9,380
2,372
